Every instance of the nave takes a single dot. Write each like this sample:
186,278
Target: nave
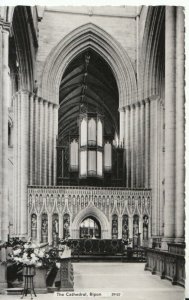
129,279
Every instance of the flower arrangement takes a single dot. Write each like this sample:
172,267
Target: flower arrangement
28,254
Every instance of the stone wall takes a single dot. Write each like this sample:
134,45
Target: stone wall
57,22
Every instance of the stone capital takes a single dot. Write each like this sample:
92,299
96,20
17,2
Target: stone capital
137,104
56,106
154,97
23,92
127,107
147,100
121,109
133,105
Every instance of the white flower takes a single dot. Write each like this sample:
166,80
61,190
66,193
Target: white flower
41,254
36,251
39,264
18,259
27,245
25,261
25,255
58,265
17,251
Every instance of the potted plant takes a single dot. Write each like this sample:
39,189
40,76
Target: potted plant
32,259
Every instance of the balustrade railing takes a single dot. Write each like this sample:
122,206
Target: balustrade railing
168,265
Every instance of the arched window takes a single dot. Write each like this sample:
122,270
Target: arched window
125,227
44,228
114,226
33,226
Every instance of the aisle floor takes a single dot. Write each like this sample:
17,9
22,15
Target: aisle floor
115,281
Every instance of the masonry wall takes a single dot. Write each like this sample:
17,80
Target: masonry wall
57,23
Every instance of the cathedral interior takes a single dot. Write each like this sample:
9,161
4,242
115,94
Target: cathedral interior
92,125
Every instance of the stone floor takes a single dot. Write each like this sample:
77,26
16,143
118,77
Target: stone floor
127,280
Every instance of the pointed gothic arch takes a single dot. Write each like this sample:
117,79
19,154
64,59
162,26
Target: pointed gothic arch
91,211
77,41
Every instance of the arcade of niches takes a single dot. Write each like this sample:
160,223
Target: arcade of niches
59,212
92,126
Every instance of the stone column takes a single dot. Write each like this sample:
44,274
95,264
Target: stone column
142,138
154,162
169,210
180,120
137,147
15,160
4,77
161,179
36,140
147,142
132,138
122,126
21,160
55,134
45,153
127,145
24,175
50,143
31,139
18,144
41,139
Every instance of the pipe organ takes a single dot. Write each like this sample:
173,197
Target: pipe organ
91,151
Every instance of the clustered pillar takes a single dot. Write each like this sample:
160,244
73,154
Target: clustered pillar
35,122
22,160
180,120
174,125
43,133
4,94
137,143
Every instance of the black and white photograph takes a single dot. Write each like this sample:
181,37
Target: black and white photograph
93,151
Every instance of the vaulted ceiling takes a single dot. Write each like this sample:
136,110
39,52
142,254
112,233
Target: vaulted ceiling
88,79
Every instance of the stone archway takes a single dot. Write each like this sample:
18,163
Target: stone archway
80,39
91,211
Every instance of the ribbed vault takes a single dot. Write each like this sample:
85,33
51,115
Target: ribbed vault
79,41
101,93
